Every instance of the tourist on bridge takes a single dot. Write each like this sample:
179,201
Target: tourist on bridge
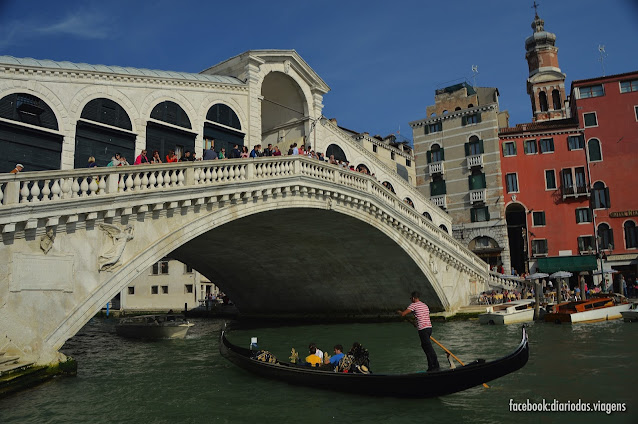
235,153
115,160
276,152
171,156
156,157
19,167
268,151
187,157
244,152
424,327
92,163
141,159
210,154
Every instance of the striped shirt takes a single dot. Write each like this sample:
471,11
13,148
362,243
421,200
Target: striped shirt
422,314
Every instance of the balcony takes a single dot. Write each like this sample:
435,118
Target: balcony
474,161
436,168
440,201
477,196
574,191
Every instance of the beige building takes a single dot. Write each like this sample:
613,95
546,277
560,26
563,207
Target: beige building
168,284
458,166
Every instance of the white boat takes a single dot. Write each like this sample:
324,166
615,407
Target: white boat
161,326
630,315
509,312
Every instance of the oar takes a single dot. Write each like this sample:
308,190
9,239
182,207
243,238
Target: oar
453,356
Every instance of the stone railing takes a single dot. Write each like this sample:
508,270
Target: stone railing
435,168
33,196
475,160
496,280
477,195
440,201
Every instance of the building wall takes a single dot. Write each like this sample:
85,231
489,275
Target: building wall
617,130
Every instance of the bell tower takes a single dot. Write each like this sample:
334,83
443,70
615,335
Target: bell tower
546,82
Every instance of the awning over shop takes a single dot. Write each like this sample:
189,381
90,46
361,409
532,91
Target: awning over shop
567,263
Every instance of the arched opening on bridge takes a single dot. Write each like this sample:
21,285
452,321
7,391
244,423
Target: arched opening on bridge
427,215
337,152
284,111
444,228
104,129
517,236
487,249
175,136
387,185
39,146
363,169
223,126
409,202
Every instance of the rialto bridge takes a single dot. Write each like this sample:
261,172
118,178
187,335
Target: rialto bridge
280,235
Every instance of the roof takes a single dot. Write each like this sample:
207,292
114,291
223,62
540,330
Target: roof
104,69
576,83
456,87
541,126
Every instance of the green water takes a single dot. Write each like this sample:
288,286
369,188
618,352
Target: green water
187,381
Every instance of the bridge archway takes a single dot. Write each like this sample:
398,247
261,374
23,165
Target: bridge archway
284,110
177,136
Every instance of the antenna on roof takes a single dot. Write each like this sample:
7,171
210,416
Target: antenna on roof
603,55
474,74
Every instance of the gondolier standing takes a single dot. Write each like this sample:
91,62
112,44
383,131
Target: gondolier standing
424,326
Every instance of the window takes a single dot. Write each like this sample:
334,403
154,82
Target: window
477,180
530,147
538,218
471,119
590,119
160,267
636,110
374,148
583,215
154,289
188,288
437,187
131,290
628,86
600,196
482,243
550,179
164,289
392,155
595,153
509,148
575,142
586,244
631,235
435,154
539,247
188,269
546,145
568,181
542,98
591,91
605,237
556,100
512,183
444,228
474,146
479,214
434,128
408,162
427,215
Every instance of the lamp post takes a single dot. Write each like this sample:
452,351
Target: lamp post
313,129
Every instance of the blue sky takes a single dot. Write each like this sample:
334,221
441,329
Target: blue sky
382,59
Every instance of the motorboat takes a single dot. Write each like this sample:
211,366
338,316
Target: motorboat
603,307
516,311
415,385
630,315
159,326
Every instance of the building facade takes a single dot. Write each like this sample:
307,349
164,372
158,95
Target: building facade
458,166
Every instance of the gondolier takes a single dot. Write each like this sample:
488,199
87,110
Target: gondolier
424,326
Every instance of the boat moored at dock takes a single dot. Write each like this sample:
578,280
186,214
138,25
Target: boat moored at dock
517,311
598,308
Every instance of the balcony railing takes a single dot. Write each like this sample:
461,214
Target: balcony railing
574,191
440,201
436,168
475,160
477,195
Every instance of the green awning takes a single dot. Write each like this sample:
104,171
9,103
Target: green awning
567,263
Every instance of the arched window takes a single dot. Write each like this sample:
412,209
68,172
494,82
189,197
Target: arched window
338,153
445,112
164,138
556,100
605,237
436,153
631,235
409,202
600,196
427,215
474,146
387,185
470,105
363,169
595,153
222,125
457,108
171,113
542,99
444,228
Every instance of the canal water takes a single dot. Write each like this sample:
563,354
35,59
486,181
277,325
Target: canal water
187,381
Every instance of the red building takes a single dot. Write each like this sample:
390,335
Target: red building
607,109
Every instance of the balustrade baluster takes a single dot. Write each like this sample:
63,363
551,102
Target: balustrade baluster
167,178
66,188
144,181
24,192
209,175
75,188
196,176
226,173
84,187
231,172
35,192
180,178
156,180
220,174
242,172
93,186
128,182
2,187
137,182
46,191
101,185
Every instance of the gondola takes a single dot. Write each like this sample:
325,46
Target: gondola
414,385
